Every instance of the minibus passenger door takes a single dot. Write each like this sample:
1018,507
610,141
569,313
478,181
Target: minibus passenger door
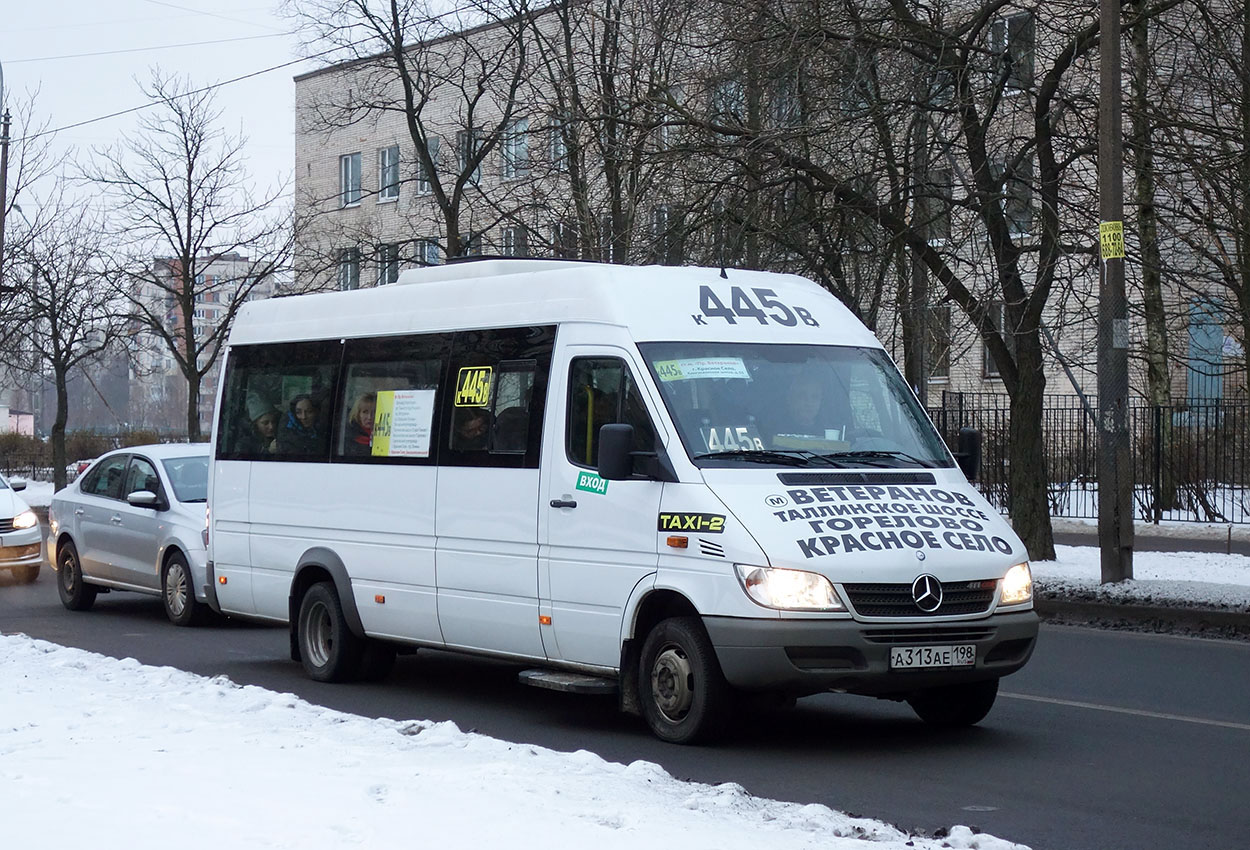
600,534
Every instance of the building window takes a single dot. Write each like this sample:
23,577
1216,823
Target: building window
937,359
349,268
937,206
388,264
425,174
516,152
468,143
666,242
557,146
1017,195
728,101
998,319
516,241
349,179
1012,43
564,239
429,252
471,243
388,173
1204,369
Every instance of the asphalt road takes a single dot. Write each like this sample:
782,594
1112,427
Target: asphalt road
1105,741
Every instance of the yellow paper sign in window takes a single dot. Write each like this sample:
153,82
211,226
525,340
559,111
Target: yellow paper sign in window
473,386
1111,235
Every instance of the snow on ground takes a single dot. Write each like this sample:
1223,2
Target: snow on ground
100,752
37,493
1198,579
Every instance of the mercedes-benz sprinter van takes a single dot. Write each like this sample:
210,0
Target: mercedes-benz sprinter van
684,485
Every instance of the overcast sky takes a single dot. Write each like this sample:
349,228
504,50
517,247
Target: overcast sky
42,47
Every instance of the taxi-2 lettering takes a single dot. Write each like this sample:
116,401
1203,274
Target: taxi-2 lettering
706,523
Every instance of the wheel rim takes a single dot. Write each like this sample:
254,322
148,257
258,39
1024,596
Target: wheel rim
69,568
672,683
318,636
176,589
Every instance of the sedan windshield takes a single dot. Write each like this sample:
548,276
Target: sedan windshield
792,405
188,476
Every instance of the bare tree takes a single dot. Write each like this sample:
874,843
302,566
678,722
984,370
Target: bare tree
455,104
70,315
182,211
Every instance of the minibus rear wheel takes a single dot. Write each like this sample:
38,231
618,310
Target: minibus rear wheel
684,695
327,648
955,705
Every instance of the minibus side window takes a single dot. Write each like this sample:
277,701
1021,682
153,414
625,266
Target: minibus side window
386,412
278,401
496,389
602,392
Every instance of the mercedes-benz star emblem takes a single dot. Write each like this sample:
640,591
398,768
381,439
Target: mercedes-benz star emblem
926,592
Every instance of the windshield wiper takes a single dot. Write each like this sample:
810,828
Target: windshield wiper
790,457
880,454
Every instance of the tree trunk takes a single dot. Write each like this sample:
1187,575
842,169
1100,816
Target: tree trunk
1158,381
193,408
1030,507
59,476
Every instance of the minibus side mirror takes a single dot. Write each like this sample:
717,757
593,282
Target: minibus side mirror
617,460
968,454
615,463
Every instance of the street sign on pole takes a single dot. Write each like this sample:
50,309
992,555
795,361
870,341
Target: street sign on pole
1115,468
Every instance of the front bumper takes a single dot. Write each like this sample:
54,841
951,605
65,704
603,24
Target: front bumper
812,656
22,548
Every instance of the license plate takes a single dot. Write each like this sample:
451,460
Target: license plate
918,657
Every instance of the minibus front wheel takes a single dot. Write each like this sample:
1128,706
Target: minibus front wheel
683,693
327,647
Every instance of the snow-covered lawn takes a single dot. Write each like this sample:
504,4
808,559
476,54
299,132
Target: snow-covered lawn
97,752
1186,578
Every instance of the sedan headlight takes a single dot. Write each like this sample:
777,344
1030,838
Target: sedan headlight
776,588
1017,585
26,519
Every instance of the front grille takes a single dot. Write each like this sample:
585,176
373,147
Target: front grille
6,525
894,600
811,479
956,634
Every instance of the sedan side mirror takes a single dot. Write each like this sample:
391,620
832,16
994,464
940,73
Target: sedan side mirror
17,483
144,499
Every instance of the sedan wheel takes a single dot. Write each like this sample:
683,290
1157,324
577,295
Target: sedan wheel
178,592
76,594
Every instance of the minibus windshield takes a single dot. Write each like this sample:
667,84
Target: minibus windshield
792,405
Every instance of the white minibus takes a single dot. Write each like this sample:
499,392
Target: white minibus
682,485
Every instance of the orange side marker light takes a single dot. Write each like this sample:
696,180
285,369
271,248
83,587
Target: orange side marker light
544,620
380,599
221,579
678,542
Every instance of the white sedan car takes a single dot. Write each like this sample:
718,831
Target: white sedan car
135,521
21,539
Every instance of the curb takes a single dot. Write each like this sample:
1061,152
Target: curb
1155,617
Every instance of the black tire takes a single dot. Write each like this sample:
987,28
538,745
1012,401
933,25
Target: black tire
683,693
377,661
955,705
178,593
27,574
327,648
76,594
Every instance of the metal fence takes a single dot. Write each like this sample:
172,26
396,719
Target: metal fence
1191,462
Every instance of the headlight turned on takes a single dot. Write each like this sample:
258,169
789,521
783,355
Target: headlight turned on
1017,586
26,519
789,589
